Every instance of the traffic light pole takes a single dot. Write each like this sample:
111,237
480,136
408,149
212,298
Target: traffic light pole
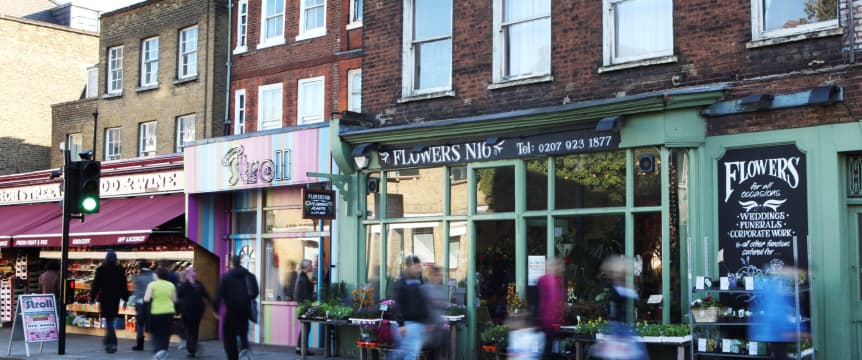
64,254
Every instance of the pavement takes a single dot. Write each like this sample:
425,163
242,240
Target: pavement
81,347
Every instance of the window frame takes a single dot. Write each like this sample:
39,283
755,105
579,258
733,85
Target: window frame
302,96
352,76
758,22
185,56
80,143
409,56
146,59
241,27
355,19
304,33
500,45
239,111
110,140
260,108
114,85
277,39
183,131
609,36
92,82
143,139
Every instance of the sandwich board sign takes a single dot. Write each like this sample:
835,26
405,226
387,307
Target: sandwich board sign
38,320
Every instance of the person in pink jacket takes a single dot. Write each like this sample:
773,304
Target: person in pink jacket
551,301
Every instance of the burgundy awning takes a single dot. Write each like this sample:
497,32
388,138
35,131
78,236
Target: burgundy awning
119,222
15,219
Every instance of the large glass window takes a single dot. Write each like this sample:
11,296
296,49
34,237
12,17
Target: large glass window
273,23
647,177
312,18
150,62
537,184
187,65
590,180
523,41
637,30
401,190
115,70
428,45
494,189
458,190
774,18
281,263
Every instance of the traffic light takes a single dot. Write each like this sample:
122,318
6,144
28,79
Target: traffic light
89,172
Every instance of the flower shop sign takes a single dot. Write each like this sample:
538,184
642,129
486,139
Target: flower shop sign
762,206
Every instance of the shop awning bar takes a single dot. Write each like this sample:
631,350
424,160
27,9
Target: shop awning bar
17,219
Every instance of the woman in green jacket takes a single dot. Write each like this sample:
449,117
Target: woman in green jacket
161,295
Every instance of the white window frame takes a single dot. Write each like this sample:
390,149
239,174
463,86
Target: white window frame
92,82
354,76
113,136
275,40
239,112
500,46
147,139
313,32
185,131
187,57
241,27
115,70
355,20
609,31
302,97
266,124
408,75
150,62
758,24
75,145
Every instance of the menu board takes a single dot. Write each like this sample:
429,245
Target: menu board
39,315
318,204
762,206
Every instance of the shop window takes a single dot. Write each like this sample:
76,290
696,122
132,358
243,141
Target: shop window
537,184
394,257
281,262
372,196
423,239
373,251
522,44
590,180
778,18
495,267
289,220
648,264
637,30
423,243
246,222
458,190
419,194
495,190
647,166
458,261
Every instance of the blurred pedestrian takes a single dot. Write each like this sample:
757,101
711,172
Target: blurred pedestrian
551,303
142,312
109,288
237,288
175,278
526,340
774,317
162,295
304,291
49,281
191,296
414,310
619,343
438,301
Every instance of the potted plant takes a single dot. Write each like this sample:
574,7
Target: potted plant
705,309
494,338
455,313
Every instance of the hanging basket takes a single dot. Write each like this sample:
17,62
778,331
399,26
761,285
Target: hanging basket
706,315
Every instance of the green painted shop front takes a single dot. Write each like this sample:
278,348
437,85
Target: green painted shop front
493,222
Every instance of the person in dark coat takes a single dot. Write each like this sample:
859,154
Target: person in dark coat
304,291
109,287
414,308
192,295
142,312
237,288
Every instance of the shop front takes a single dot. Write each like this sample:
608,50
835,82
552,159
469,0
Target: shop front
246,199
142,216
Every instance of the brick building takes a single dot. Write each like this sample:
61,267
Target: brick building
161,81
49,61
652,128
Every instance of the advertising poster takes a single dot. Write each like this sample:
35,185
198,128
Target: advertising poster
39,315
762,206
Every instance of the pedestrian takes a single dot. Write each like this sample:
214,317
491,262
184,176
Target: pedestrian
109,288
175,278
551,303
304,291
414,310
774,317
161,295
191,296
438,302
237,288
620,342
145,277
49,281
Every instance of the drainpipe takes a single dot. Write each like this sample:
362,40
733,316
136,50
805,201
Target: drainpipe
851,23
227,66
95,131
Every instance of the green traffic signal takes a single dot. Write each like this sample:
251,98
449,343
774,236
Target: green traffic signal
88,186
89,205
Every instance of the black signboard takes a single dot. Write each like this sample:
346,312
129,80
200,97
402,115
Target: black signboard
318,204
762,206
566,142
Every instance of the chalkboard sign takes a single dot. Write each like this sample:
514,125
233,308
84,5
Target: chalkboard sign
318,204
762,206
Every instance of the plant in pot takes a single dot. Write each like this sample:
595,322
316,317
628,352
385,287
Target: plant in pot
494,338
705,309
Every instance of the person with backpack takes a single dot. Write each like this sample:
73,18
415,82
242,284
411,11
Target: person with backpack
237,289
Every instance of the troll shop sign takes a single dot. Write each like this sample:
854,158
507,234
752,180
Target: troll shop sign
762,207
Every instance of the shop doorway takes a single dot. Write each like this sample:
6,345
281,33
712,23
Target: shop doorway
854,240
495,267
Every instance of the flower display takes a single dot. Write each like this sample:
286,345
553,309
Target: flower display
514,303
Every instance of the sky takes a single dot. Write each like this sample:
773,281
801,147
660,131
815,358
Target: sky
101,5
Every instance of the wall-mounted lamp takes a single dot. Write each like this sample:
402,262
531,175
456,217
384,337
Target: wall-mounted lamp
761,101
823,95
361,156
610,123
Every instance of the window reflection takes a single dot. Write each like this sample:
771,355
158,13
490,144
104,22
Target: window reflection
372,257
590,180
495,190
414,192
647,177
458,190
537,184
282,257
648,264
423,239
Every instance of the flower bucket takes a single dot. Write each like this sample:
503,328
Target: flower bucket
706,315
489,348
